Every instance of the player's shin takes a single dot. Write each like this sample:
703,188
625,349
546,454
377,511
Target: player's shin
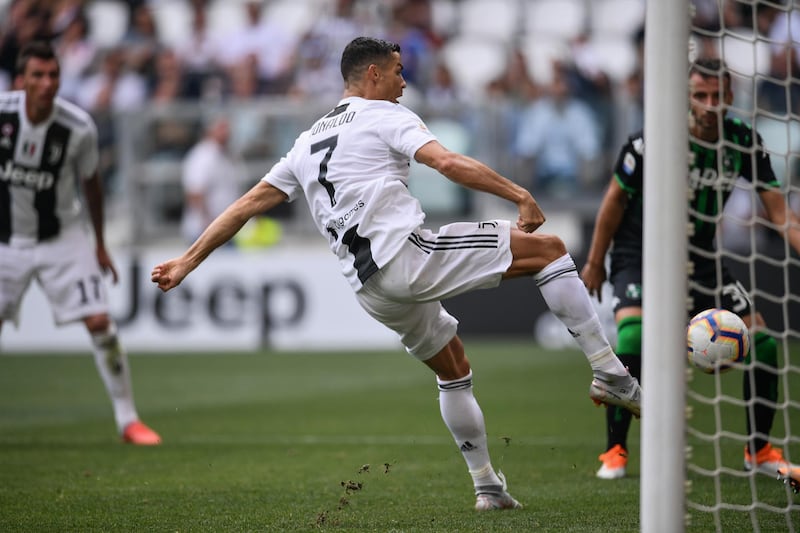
629,351
112,364
566,296
463,417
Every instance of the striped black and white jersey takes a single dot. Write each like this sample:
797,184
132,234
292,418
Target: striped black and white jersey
39,166
352,165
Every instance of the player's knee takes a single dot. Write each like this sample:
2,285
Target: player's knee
554,246
765,348
546,249
629,335
98,323
451,362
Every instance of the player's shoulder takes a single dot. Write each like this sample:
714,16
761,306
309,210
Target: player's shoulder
738,131
386,107
72,116
736,123
636,142
629,162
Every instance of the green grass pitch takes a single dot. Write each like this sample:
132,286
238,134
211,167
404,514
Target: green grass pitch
322,442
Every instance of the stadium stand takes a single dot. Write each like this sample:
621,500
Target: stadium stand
490,58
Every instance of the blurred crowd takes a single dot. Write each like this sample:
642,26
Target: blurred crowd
727,29
557,111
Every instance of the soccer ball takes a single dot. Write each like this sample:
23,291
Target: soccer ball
716,339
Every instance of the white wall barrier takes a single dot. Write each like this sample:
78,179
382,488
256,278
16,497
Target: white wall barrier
291,299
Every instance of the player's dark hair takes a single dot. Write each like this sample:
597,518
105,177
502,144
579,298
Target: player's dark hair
363,52
710,67
38,49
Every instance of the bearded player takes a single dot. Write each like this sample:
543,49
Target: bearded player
721,150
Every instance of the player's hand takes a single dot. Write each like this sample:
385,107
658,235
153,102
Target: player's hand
106,265
593,276
530,216
168,274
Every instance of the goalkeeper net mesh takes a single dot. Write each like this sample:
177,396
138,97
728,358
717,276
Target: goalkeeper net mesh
759,42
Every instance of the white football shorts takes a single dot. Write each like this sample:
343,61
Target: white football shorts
405,294
66,269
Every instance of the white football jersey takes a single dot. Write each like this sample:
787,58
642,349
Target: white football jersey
353,165
39,165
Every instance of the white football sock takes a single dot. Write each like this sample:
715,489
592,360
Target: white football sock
463,417
112,364
568,299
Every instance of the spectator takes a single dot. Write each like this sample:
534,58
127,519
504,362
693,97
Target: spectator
141,42
212,178
169,83
247,136
779,93
27,20
559,134
418,49
631,112
271,46
76,52
200,57
443,94
590,83
113,89
171,134
494,124
705,15
318,66
314,73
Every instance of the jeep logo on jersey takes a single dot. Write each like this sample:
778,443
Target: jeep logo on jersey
38,180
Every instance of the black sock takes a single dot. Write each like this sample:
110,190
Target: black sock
766,387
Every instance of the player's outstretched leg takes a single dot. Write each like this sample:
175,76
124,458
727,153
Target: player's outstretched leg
566,296
463,417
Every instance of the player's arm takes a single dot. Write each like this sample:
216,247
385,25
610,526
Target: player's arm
475,175
779,214
93,192
259,199
608,219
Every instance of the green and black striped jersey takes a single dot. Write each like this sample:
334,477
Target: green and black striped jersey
712,174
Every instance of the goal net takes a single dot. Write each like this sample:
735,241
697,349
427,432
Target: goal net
759,42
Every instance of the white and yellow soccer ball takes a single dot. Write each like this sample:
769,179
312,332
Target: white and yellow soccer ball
716,340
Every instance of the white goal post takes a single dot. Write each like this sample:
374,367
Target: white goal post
665,266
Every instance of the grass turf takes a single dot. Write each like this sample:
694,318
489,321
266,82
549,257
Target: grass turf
325,442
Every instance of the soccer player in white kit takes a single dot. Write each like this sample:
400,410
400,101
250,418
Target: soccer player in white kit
46,144
352,166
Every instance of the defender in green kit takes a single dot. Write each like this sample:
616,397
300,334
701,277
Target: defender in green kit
721,150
